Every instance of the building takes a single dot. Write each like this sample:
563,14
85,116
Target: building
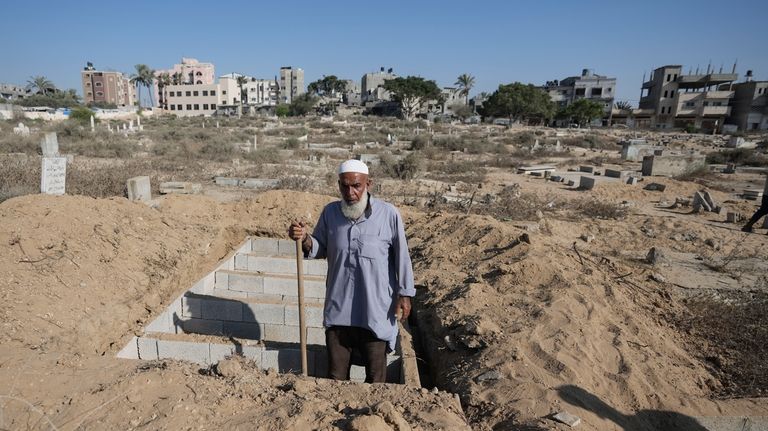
589,85
259,93
291,83
677,100
190,71
372,86
12,92
749,106
188,100
106,87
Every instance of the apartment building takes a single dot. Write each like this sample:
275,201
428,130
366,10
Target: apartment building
189,72
677,100
372,86
291,83
106,87
588,85
12,92
193,99
749,106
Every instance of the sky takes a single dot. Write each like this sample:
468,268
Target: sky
497,42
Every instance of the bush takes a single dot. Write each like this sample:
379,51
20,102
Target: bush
739,156
282,110
265,155
218,151
602,210
81,115
405,169
419,142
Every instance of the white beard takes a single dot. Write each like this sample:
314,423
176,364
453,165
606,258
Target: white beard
354,211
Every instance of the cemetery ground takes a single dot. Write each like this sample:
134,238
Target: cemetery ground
618,304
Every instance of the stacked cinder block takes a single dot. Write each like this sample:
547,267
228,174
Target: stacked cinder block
252,299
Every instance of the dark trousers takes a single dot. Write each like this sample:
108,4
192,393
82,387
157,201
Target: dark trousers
343,341
762,211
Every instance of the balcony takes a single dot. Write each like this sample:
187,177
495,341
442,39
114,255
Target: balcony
701,81
715,111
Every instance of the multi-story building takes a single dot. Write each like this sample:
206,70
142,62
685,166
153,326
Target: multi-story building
677,100
262,92
589,85
190,71
193,99
291,83
107,87
12,92
749,106
372,85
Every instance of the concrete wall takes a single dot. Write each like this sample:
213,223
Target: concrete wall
671,165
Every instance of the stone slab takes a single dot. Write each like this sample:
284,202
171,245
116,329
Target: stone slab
264,246
139,189
147,348
131,349
53,175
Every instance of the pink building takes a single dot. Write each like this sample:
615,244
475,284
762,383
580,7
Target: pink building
190,71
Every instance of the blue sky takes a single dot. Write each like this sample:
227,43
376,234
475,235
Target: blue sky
495,41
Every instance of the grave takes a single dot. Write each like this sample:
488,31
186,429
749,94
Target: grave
21,130
53,175
139,189
248,305
586,183
527,170
180,187
672,165
587,169
49,145
635,149
369,159
612,173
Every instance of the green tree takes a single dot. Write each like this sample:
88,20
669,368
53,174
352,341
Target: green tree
242,80
177,78
519,102
412,93
583,111
301,105
163,80
465,82
144,77
462,111
623,105
59,99
282,110
328,86
40,85
81,115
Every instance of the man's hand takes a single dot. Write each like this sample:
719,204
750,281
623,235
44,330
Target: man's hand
403,308
297,231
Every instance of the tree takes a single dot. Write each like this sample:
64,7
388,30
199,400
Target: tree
144,77
412,93
58,99
242,80
163,81
623,105
282,110
465,82
462,111
519,102
328,86
583,111
177,78
301,105
41,85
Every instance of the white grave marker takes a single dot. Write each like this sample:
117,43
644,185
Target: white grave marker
50,145
54,175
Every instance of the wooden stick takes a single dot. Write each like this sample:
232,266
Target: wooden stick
302,323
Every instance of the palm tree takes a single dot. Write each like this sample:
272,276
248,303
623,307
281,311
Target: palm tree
163,80
623,105
465,82
176,78
40,84
241,80
144,77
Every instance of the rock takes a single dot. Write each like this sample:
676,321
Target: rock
587,238
488,375
655,187
435,390
369,423
392,416
657,277
229,368
654,256
716,244
567,418
303,386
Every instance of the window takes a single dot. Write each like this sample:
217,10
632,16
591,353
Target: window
205,106
706,103
87,84
173,107
195,93
205,92
188,93
675,77
609,89
198,73
224,92
665,93
597,92
189,107
213,92
579,91
213,106
98,84
99,93
199,82
690,104
669,77
179,107
197,107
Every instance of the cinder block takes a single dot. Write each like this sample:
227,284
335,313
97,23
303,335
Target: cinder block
313,315
161,324
147,348
264,313
245,283
200,326
316,336
266,297
286,247
241,262
316,267
284,360
271,264
320,364
251,352
264,246
281,333
221,280
191,307
357,373
220,351
184,350
222,309
289,286
131,349
230,294
250,331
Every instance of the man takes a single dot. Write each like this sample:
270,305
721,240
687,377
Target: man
370,278
762,211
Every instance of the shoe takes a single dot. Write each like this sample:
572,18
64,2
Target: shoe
747,229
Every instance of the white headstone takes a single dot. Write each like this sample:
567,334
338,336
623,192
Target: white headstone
21,129
138,122
217,124
54,175
130,124
50,145
139,189
255,142
93,124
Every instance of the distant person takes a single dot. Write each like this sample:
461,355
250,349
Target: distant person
370,278
762,211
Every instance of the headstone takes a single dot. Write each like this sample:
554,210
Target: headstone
139,189
632,181
700,202
586,183
130,124
255,142
655,187
21,130
586,169
730,168
217,124
93,124
50,145
709,200
180,187
54,175
732,217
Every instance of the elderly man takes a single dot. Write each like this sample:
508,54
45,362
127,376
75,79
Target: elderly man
370,279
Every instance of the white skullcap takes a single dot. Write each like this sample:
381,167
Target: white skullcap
353,166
